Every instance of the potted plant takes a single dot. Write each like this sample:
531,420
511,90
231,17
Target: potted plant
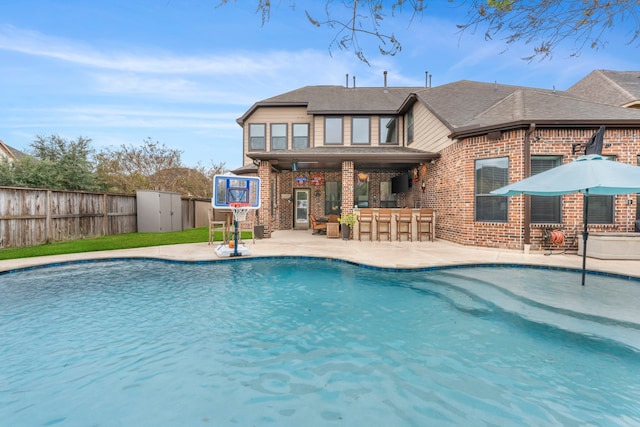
349,220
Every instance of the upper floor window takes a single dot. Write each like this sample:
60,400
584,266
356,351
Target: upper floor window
545,209
257,136
410,126
333,130
278,136
301,135
491,174
388,130
360,130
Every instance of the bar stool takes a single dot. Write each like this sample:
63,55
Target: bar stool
216,225
384,219
424,221
365,218
403,224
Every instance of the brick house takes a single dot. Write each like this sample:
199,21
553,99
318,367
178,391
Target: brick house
330,149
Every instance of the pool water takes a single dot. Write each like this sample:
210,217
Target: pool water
292,342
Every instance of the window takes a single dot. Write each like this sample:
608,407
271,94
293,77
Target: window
256,137
491,174
279,136
333,130
545,209
410,126
332,197
300,135
387,198
601,207
360,130
388,130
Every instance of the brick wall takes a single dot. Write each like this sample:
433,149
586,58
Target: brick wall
347,186
264,213
451,187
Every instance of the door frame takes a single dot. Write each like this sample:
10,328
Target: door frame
301,225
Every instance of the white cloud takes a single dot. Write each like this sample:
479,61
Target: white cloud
271,63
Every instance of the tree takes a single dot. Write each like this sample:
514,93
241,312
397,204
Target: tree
154,166
543,23
352,19
53,162
130,168
547,23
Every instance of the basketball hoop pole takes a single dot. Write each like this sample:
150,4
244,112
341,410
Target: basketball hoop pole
235,235
240,211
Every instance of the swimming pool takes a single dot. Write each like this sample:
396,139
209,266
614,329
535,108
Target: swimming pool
290,342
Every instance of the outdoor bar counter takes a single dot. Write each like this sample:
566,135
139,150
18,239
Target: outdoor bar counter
415,212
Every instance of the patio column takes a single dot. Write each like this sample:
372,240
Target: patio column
264,212
347,186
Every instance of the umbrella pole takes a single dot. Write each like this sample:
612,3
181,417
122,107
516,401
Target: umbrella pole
585,234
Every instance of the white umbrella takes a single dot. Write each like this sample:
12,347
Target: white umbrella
590,174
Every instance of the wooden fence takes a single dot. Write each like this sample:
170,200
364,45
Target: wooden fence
31,216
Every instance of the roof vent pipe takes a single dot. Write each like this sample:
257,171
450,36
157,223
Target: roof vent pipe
426,79
354,82
347,85
430,75
385,79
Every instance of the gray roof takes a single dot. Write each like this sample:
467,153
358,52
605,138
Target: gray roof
467,106
12,151
339,100
457,104
609,87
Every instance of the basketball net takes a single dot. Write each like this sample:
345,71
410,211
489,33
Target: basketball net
240,210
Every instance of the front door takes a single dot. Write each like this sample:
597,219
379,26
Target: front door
301,208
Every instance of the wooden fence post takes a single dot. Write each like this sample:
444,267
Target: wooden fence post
47,221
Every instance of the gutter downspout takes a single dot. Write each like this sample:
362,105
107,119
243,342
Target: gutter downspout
526,170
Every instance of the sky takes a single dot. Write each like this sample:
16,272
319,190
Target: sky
180,72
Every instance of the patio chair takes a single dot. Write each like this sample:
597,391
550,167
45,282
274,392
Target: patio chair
216,226
403,224
317,227
383,223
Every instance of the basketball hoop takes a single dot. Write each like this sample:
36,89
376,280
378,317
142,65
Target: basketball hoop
240,210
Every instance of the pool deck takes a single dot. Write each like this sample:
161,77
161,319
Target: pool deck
619,304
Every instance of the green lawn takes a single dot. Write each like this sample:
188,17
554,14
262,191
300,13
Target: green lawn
120,241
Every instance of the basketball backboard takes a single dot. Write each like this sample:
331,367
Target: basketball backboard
235,189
